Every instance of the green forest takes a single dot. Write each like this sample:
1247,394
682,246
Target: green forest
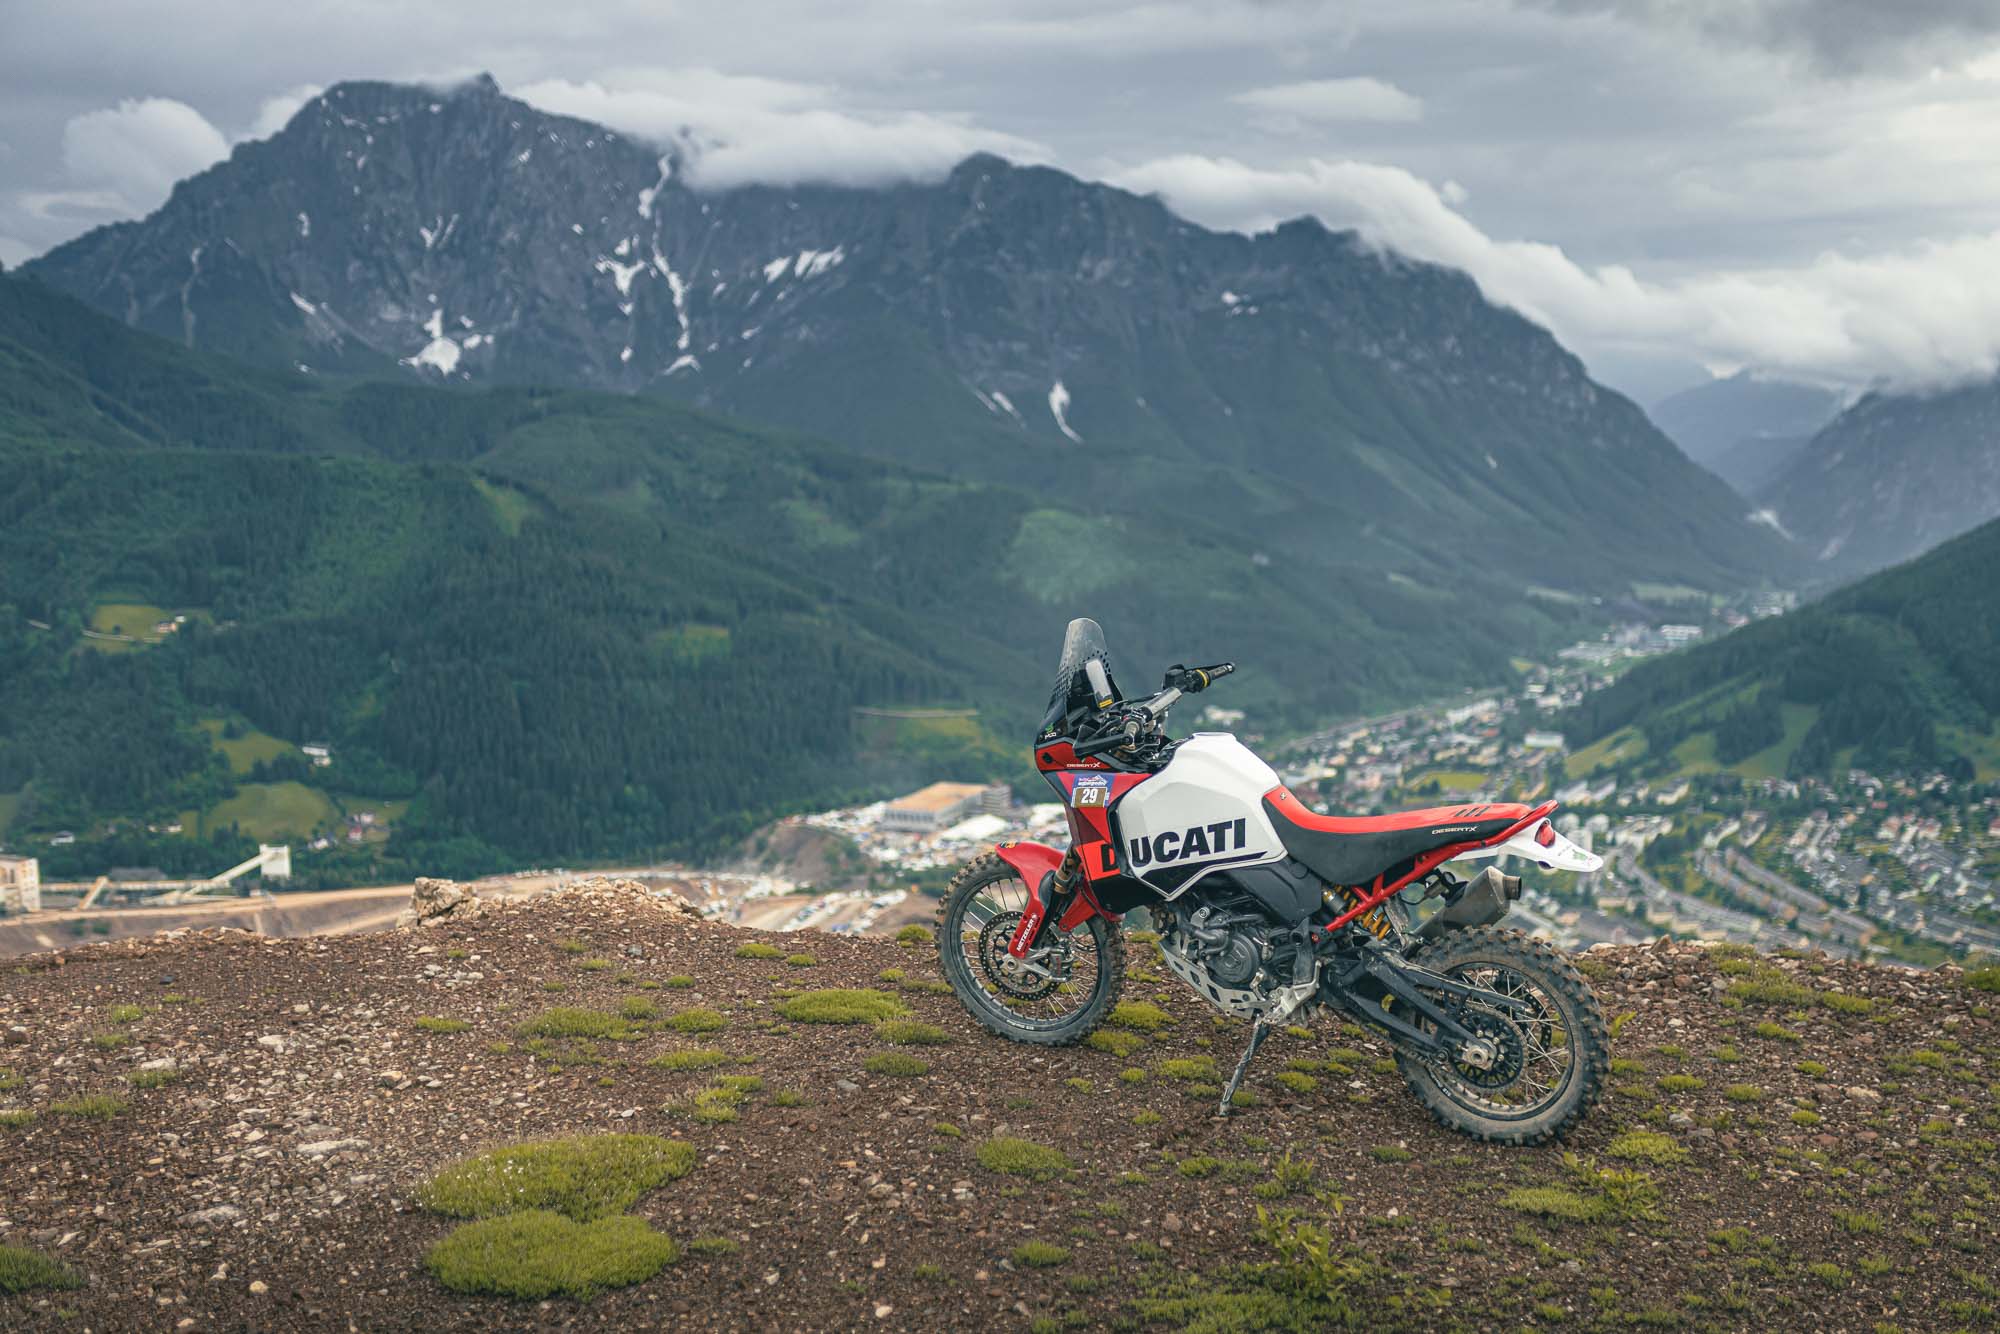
550,626
1900,671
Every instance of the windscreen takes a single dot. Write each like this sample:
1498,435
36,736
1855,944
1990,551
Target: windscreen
1083,641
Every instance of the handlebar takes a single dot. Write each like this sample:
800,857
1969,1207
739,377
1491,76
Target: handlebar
1194,680
1144,716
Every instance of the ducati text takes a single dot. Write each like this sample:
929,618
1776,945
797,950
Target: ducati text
1202,840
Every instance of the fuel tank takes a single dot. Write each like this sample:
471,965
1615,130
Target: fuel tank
1203,813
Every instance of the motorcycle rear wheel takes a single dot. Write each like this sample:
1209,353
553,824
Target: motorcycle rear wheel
1086,964
1563,1049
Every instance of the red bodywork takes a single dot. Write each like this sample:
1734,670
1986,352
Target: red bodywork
1033,862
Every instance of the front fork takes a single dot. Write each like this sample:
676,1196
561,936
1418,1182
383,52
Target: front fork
1048,902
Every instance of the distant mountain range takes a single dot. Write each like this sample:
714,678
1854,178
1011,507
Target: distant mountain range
1351,409
1900,671
1745,427
1893,476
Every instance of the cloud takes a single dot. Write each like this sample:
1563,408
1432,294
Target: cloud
1327,100
136,150
14,252
1846,36
739,130
1925,315
277,112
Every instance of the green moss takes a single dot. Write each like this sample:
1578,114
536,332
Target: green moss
1646,1146
914,934
1680,1083
1188,1067
23,1270
126,1014
1390,1153
1141,1015
16,1118
1120,1045
895,1063
433,1024
680,982
110,1041
152,1079
637,1009
757,949
1039,1255
713,1246
537,1254
1743,1093
842,1006
1554,1202
1842,1003
1296,1082
910,1033
800,960
584,1177
698,1021
1023,1158
594,965
1984,979
700,1058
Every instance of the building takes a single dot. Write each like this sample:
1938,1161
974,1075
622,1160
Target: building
942,805
20,884
1543,741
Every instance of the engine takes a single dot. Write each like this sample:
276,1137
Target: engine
1236,956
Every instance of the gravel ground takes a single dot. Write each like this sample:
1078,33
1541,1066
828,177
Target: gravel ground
1839,1169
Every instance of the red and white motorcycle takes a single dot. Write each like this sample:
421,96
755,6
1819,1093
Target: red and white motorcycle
1267,909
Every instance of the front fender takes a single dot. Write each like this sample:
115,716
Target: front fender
1036,863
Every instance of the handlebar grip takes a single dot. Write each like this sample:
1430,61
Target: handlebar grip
1085,749
1217,672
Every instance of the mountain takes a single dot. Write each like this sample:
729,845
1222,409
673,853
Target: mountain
315,1088
562,623
1348,407
1898,672
1745,427
1893,476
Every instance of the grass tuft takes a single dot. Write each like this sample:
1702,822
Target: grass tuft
569,1021
23,1270
1039,1255
842,1005
1646,1146
698,1021
583,1177
90,1107
914,934
911,1033
431,1023
757,949
896,1063
1144,1016
1023,1158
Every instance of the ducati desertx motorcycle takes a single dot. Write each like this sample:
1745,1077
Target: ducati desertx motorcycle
1267,909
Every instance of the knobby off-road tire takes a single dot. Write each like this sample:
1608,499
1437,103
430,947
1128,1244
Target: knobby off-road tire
984,884
1576,1016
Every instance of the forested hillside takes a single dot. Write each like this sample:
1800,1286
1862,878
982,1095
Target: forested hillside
558,625
1899,671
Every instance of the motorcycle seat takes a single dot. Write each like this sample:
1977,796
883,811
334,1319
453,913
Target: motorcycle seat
1353,850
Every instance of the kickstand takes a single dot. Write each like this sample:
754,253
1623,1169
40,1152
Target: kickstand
1258,1032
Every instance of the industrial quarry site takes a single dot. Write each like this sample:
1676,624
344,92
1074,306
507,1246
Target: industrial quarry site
684,1124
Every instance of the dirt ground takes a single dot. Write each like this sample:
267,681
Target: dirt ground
1813,1164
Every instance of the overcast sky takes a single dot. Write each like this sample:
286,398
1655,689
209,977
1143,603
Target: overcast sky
1806,186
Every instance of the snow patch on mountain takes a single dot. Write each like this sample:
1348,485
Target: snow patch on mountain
649,194
1059,409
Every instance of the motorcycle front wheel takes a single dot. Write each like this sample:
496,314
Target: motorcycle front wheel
1054,997
1540,1068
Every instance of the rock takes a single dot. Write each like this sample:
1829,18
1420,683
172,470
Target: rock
221,1213
160,1063
389,1079
1172,1223
847,1086
272,1041
323,1147
433,901
258,1287
1861,1093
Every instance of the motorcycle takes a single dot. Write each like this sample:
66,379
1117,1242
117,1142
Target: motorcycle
1269,910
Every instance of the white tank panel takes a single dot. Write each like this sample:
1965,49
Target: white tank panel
1202,813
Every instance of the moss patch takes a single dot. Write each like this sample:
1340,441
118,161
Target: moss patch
537,1254
1023,1158
584,1177
842,1005
23,1270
